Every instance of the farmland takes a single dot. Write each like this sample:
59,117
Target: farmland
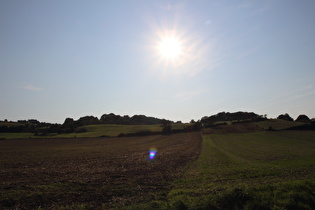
102,172
248,163
225,167
110,130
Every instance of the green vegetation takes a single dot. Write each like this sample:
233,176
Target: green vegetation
240,166
71,126
277,124
247,159
263,168
110,125
109,130
100,130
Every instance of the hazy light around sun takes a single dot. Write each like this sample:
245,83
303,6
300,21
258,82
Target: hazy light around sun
170,47
177,51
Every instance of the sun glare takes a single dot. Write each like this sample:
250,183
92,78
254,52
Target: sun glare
170,48
175,50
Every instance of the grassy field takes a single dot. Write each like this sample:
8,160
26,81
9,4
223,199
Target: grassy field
115,130
110,130
277,124
91,173
257,167
273,124
96,131
251,170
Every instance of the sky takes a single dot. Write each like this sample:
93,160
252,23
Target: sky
76,58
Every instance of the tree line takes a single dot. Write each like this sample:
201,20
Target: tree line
75,126
70,125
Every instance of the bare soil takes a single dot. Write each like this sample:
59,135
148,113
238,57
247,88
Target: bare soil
94,172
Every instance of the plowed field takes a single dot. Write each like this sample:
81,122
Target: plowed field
91,172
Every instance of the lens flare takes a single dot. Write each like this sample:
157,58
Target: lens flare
152,153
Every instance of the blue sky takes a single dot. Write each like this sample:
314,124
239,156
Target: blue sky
74,58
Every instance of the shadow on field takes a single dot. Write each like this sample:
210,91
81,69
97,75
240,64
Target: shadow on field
294,195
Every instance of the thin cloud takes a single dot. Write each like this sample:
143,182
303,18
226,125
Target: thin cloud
32,88
292,95
299,96
297,93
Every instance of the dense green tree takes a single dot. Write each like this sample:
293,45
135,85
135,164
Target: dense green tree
226,116
303,118
88,120
126,120
285,116
197,126
166,126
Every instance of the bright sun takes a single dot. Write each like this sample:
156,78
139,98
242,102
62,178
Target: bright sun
170,48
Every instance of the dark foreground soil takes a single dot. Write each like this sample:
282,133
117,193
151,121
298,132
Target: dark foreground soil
92,172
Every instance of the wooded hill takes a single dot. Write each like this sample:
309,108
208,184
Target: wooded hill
70,125
231,117
77,126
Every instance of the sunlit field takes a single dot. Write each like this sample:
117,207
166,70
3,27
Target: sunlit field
263,169
157,105
254,170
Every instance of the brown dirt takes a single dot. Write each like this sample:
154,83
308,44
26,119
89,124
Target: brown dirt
99,172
